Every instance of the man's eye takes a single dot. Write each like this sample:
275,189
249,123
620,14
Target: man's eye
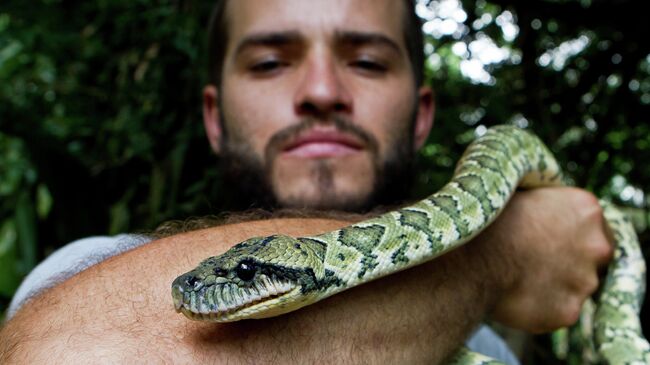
266,66
368,65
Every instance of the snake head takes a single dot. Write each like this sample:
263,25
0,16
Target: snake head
260,277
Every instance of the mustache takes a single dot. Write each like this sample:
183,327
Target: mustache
341,124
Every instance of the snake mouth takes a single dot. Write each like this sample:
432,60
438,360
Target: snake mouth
228,302
224,316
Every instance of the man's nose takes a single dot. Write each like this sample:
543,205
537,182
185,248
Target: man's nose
322,90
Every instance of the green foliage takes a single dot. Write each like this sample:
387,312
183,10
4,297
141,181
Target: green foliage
590,105
100,128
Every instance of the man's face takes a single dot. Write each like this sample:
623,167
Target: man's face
318,100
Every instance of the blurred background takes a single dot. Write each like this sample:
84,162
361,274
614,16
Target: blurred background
101,132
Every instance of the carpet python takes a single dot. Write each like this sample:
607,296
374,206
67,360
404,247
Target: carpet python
268,276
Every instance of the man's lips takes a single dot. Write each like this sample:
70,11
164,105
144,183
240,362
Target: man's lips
322,144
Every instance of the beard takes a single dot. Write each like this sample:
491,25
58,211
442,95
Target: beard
248,177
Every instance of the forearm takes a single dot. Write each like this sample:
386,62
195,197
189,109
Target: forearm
121,310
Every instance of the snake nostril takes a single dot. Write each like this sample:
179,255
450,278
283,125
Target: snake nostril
191,280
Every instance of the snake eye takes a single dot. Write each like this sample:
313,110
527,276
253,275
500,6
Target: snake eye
246,270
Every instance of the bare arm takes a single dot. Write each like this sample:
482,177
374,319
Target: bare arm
121,310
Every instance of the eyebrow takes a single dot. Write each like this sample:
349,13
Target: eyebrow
272,39
277,39
356,38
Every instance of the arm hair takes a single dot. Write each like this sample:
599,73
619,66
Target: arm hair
121,311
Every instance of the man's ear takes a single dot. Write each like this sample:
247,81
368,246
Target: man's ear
211,119
424,118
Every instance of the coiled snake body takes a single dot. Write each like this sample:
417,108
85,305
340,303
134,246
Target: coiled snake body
268,276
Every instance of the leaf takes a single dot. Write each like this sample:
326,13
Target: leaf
43,201
26,228
9,279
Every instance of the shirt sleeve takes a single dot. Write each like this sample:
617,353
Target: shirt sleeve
487,342
70,260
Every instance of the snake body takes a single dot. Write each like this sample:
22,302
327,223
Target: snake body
268,276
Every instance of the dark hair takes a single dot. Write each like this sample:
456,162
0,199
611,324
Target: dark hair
218,41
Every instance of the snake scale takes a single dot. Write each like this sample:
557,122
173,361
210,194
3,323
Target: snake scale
268,276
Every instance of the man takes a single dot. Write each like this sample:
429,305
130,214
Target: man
321,102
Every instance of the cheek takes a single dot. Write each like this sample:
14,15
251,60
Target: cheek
388,117
253,116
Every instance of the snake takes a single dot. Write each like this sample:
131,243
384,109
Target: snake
268,276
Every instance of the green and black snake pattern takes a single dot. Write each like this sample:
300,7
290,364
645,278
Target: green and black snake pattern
268,276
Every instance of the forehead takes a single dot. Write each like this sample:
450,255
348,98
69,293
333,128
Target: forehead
315,18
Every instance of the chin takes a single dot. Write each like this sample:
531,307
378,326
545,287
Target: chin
335,184
338,202
341,193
